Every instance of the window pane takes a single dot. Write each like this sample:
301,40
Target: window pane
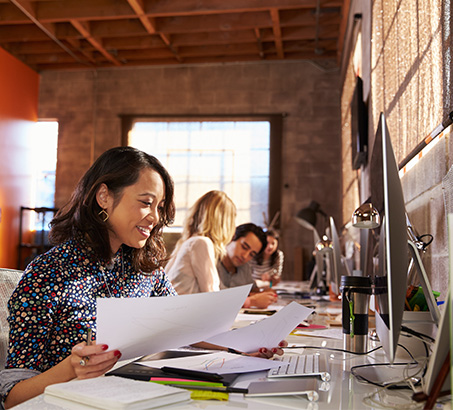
229,156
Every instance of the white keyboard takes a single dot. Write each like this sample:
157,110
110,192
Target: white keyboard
300,365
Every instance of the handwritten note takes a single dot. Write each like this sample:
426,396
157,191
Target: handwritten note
218,362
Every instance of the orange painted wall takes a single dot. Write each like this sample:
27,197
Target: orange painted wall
19,88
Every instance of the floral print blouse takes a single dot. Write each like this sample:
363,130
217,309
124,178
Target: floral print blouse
55,301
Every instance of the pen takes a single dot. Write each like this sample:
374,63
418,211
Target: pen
231,350
192,373
89,336
86,358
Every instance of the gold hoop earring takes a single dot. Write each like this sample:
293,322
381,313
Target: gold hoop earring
104,215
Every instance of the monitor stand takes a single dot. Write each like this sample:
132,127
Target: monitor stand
427,290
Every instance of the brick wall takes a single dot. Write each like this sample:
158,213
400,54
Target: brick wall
87,105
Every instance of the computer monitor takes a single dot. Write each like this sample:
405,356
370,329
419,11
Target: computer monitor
336,267
391,278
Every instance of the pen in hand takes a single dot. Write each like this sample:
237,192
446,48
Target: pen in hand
85,359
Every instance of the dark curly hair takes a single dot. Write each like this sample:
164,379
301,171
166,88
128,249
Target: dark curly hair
117,168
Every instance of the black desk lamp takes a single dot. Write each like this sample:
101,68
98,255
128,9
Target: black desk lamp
307,216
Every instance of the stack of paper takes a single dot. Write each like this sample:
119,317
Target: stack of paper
115,393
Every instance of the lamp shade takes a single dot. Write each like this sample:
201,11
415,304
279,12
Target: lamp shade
308,214
324,245
366,216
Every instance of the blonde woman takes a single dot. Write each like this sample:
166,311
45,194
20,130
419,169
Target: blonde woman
208,228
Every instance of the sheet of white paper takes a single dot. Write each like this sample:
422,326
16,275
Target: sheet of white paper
331,333
141,326
219,362
265,333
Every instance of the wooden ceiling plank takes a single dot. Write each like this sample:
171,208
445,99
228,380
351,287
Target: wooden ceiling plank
307,18
223,37
96,43
130,43
226,22
20,33
118,28
10,14
35,47
165,8
277,33
209,51
84,10
129,55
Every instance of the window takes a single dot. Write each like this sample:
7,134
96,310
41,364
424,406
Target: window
44,142
230,156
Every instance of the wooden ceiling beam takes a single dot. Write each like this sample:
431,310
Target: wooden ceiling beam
149,24
84,30
277,33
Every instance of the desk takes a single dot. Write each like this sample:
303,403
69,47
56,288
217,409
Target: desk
342,392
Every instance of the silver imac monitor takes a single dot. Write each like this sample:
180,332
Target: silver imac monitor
336,265
391,278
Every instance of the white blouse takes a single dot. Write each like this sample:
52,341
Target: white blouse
193,268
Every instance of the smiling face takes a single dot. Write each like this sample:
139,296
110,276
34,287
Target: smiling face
135,213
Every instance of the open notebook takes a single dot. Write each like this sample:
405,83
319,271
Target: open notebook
116,393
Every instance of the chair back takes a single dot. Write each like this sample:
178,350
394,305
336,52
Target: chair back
8,282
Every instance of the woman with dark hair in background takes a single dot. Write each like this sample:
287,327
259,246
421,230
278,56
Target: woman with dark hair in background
268,265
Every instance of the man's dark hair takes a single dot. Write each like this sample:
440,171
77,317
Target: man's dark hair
244,229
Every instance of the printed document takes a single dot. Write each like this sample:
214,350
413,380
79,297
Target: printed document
265,333
142,326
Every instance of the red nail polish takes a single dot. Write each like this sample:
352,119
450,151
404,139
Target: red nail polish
105,347
117,353
274,350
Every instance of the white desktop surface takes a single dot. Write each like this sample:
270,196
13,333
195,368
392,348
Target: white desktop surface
343,391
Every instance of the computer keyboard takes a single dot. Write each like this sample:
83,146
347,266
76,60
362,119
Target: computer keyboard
300,365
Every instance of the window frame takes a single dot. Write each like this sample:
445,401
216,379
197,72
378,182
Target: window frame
275,143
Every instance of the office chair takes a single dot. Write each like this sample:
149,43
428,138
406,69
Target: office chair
8,281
